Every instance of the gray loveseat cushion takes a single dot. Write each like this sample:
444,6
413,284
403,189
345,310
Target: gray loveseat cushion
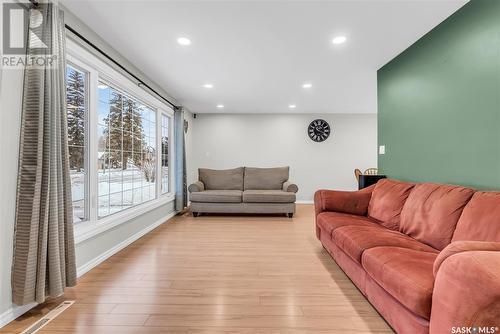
217,196
268,196
225,179
265,178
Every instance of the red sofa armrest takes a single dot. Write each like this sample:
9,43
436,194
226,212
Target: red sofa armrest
466,288
463,246
352,202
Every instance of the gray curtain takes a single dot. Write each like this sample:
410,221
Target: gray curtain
180,161
44,250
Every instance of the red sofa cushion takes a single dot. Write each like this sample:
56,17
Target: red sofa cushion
329,221
387,201
431,212
406,274
480,219
354,240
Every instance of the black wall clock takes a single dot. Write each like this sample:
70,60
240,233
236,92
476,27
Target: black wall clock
318,130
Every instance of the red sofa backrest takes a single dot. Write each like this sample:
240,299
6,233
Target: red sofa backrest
432,211
387,201
480,220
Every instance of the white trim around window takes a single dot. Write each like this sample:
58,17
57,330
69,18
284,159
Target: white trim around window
99,69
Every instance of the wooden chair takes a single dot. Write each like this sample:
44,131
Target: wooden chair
357,173
371,171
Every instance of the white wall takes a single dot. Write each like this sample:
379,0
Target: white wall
266,140
11,83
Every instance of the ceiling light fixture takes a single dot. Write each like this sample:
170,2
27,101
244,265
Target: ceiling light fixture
292,106
307,85
220,106
339,40
183,41
208,85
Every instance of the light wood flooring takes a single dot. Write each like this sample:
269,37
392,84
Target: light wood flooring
212,274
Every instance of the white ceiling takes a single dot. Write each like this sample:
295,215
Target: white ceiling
257,54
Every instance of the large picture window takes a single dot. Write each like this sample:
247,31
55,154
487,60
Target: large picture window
119,144
126,151
76,103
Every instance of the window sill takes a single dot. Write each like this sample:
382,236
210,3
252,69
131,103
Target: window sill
89,229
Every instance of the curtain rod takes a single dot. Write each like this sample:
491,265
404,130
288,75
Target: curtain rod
140,83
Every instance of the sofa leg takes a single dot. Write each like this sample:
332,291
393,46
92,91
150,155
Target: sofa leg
290,215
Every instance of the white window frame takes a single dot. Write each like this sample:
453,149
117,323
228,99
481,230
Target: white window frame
86,162
96,69
170,148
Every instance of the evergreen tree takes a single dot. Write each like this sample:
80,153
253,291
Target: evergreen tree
133,135
124,132
113,131
76,117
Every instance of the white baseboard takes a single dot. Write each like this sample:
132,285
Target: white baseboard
16,311
305,202
115,249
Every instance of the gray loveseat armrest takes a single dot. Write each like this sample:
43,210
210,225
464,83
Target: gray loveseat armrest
290,187
196,187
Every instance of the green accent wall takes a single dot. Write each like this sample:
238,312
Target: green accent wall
439,103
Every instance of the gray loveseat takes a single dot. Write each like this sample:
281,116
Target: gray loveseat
243,190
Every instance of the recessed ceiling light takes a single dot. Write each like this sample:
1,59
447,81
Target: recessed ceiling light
183,41
208,85
339,40
307,85
220,106
292,106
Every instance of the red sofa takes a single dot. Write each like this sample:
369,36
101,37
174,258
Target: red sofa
426,256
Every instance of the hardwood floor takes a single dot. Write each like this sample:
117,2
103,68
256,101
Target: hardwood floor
216,274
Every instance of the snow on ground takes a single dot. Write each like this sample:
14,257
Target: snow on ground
117,190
